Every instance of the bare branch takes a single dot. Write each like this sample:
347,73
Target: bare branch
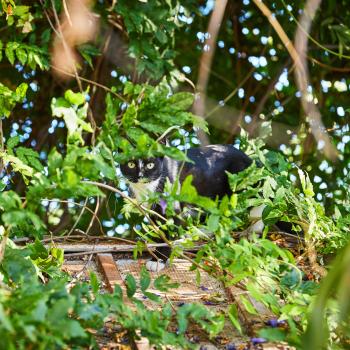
298,55
206,62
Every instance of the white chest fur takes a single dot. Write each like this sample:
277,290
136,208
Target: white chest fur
140,189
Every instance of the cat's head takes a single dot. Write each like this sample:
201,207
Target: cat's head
142,170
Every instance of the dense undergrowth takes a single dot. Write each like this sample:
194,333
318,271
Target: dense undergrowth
36,300
53,190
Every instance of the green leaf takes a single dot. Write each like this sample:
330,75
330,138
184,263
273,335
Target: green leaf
5,320
16,267
21,55
145,279
248,305
181,101
10,51
21,91
55,161
94,283
161,36
73,329
273,334
75,98
200,123
129,117
70,177
233,316
213,222
152,296
187,189
9,98
12,142
130,285
163,283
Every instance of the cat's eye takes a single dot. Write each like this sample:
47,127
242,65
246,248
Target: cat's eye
150,166
131,165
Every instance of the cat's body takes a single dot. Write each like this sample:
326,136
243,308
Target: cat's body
208,169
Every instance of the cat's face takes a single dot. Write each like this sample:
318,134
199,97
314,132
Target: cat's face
142,170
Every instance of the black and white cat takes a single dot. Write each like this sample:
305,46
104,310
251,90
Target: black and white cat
208,169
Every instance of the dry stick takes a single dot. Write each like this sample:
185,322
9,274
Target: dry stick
99,61
120,248
206,62
83,237
232,93
326,66
94,215
80,205
48,18
167,131
77,276
115,24
266,96
67,13
94,89
78,219
145,211
298,55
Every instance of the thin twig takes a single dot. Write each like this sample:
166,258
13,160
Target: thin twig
145,211
232,93
48,18
78,219
77,276
87,238
326,66
78,204
94,215
67,13
265,97
167,131
65,45
90,82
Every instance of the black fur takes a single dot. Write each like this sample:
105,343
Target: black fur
210,166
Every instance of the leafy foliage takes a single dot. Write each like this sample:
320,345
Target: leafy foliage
48,315
52,167
151,28
9,98
151,113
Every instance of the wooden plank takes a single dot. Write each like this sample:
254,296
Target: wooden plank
113,277
110,271
95,248
101,247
